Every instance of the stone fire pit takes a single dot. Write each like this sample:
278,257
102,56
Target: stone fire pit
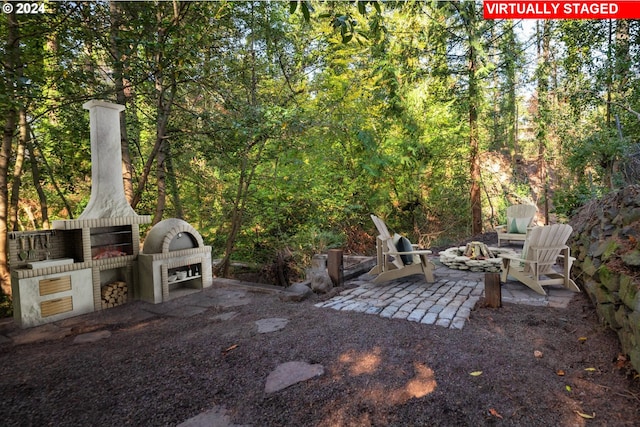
475,256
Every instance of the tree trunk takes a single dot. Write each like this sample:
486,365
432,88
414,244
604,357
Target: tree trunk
172,182
17,169
160,183
13,72
236,221
511,112
34,148
121,86
474,154
544,56
163,110
244,183
42,197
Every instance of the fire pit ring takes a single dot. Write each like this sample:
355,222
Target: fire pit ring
454,258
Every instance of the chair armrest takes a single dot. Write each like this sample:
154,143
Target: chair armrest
513,257
421,252
568,251
500,228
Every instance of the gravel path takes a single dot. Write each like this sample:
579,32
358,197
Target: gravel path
163,365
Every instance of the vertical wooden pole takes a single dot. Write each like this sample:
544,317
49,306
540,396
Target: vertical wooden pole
492,290
335,266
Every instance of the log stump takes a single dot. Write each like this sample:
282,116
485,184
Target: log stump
492,290
335,266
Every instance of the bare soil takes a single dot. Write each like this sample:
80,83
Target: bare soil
378,372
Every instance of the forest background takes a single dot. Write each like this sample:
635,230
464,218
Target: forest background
276,128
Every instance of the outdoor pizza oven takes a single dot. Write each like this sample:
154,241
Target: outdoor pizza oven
173,258
93,262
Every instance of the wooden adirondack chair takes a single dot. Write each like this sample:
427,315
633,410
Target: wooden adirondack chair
394,264
542,249
519,220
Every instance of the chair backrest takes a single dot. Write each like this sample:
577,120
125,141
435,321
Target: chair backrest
381,226
519,217
522,211
386,239
544,243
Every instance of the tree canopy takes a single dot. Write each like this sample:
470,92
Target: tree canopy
277,127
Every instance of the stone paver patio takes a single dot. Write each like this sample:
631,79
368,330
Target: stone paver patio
447,302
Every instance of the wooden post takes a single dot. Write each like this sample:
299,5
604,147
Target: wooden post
492,290
335,266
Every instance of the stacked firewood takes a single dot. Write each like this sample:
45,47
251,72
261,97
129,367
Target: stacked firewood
478,250
114,294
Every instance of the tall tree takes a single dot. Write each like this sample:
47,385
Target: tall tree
471,32
12,75
122,86
543,119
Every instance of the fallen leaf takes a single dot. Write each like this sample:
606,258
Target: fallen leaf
568,388
495,413
560,373
476,373
621,361
537,354
587,416
582,339
590,369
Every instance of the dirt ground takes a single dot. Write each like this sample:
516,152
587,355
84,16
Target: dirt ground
378,372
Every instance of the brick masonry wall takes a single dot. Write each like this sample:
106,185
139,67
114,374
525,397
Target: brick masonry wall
606,243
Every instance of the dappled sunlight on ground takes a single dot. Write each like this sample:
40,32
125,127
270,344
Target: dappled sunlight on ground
378,389
423,383
366,363
419,386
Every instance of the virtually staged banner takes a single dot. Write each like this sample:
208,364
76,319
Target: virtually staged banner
501,9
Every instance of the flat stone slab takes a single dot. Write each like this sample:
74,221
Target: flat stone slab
290,373
214,417
91,337
271,325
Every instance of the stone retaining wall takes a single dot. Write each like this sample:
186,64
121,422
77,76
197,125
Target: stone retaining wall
606,243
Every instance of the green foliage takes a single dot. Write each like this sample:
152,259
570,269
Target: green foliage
6,306
312,241
568,199
295,121
595,155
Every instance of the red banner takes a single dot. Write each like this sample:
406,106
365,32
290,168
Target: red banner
502,9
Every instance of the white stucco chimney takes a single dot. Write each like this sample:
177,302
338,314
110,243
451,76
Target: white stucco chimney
107,189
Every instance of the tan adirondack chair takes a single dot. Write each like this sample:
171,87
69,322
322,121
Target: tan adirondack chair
542,249
519,220
390,263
